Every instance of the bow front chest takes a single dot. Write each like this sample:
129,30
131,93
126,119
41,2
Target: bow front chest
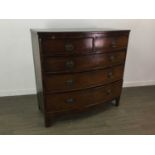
78,69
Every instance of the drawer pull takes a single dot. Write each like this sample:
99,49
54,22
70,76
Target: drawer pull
113,44
69,47
70,100
70,82
110,74
108,91
112,57
70,64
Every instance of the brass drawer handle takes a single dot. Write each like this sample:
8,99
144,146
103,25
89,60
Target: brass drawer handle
69,47
70,100
113,44
108,92
70,64
110,74
112,57
70,82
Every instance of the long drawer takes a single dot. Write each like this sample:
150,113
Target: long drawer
83,63
74,81
80,99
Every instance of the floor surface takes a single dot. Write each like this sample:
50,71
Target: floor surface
19,115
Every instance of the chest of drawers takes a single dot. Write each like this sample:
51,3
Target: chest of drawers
78,69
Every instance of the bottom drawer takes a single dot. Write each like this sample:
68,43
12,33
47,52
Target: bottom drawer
81,99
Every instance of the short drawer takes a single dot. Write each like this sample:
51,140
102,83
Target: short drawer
83,63
75,81
66,45
112,42
81,99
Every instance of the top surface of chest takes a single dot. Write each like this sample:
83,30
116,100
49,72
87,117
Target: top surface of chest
77,30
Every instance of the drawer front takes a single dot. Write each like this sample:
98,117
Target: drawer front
111,42
68,82
81,99
66,45
83,63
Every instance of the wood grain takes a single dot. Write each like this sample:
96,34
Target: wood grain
82,99
83,63
59,45
61,82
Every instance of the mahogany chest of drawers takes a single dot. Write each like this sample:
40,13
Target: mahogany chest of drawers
78,69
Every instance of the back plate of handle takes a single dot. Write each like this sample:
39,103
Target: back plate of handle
69,47
70,100
69,64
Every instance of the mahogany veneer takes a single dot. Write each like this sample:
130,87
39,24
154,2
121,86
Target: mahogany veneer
78,69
